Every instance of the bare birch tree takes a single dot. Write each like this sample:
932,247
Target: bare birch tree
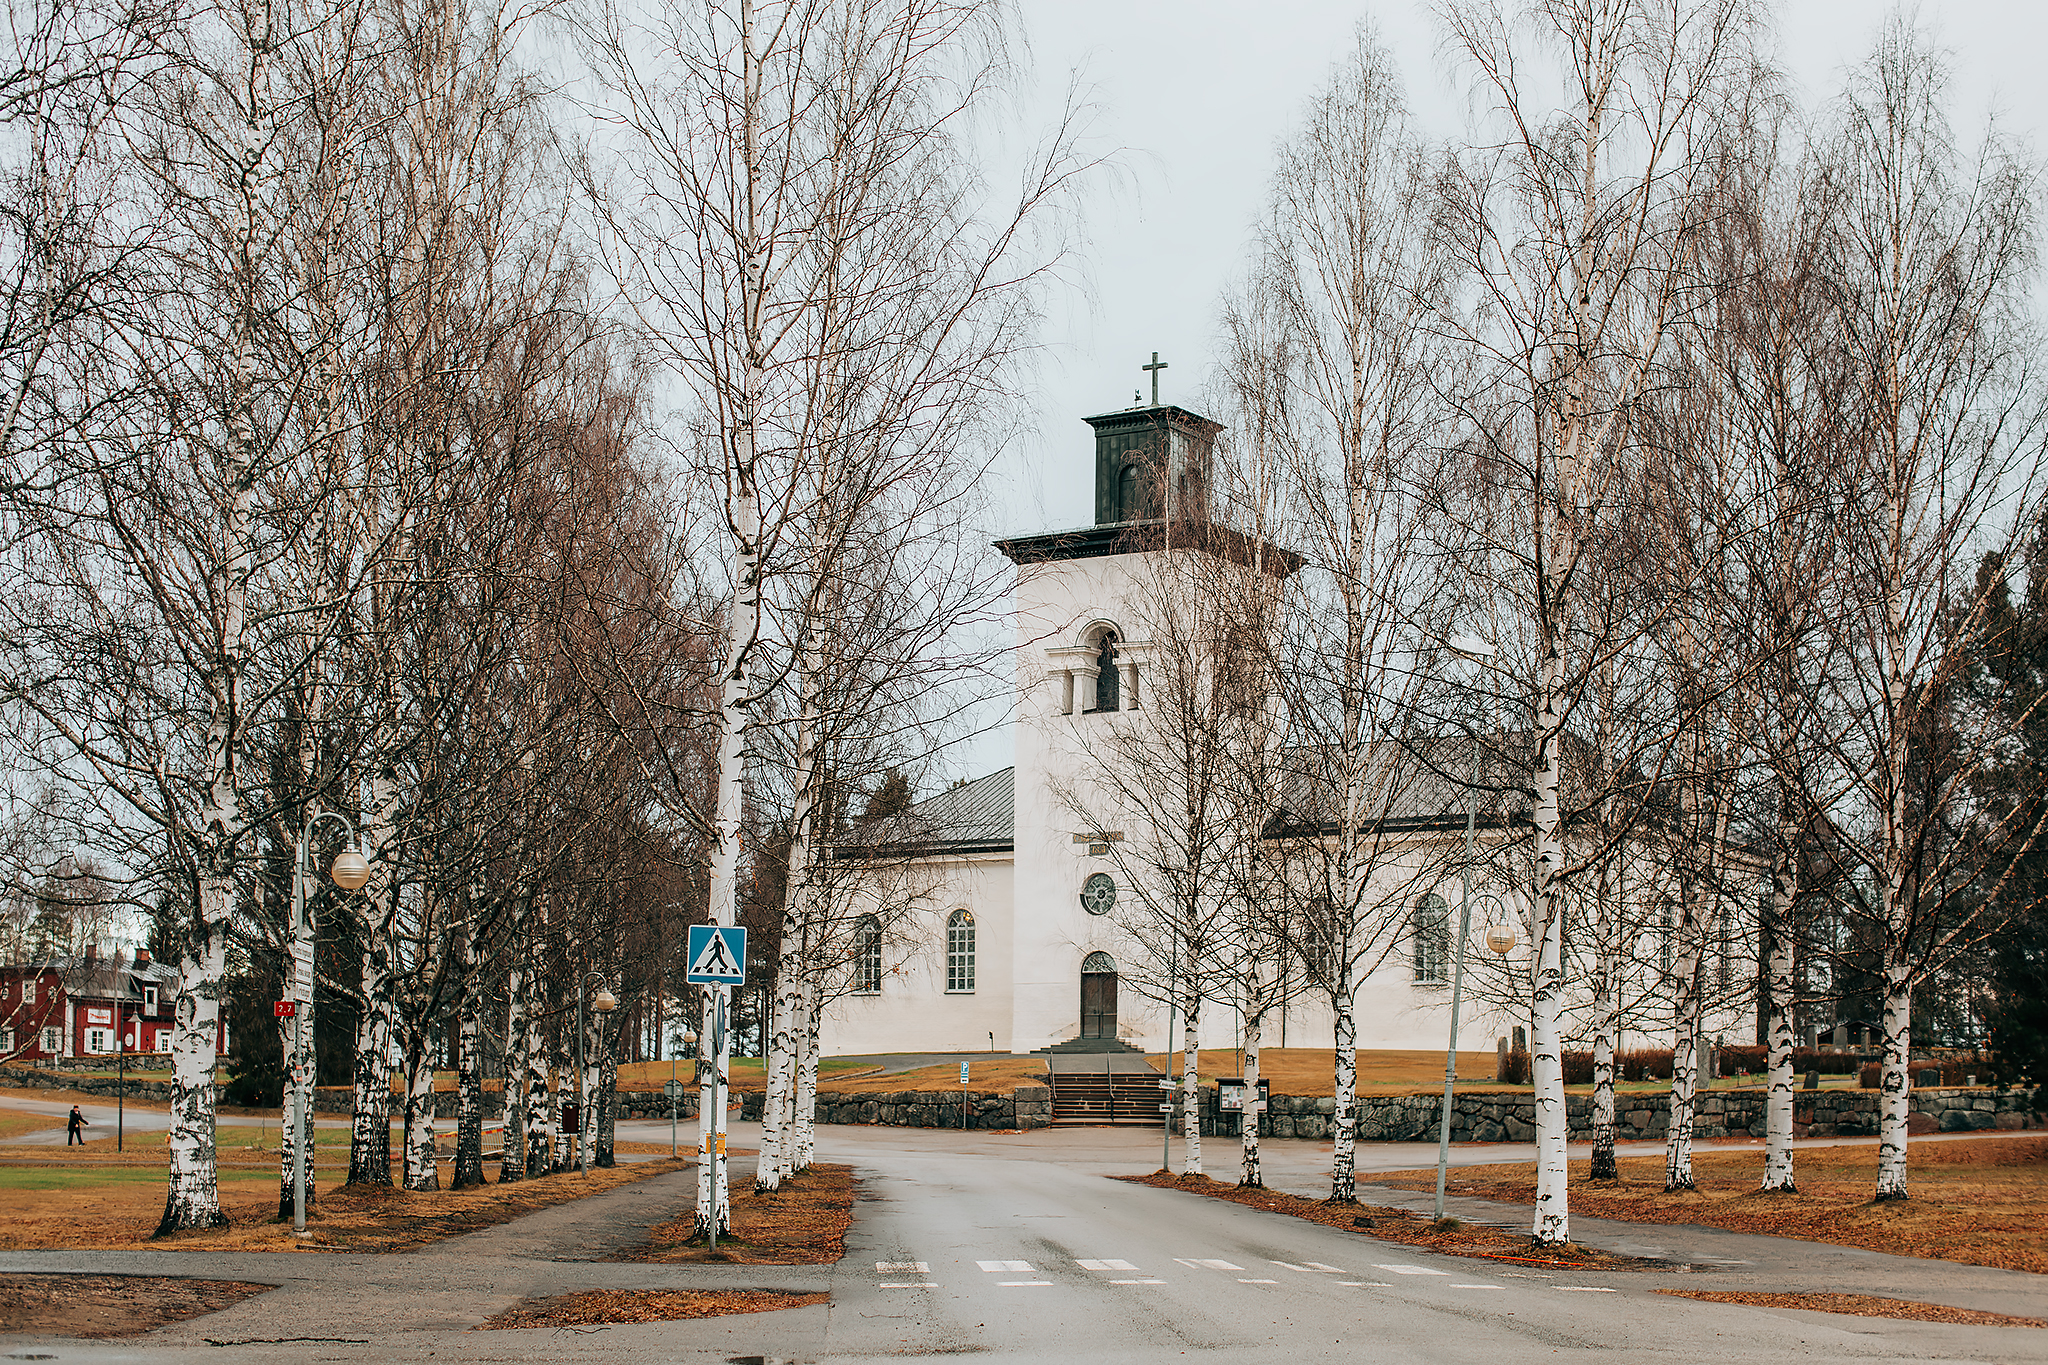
1570,216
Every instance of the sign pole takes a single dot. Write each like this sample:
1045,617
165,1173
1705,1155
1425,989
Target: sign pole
717,1111
716,958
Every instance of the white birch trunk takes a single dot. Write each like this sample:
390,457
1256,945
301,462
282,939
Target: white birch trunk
540,1107
1894,1102
1779,1040
559,1155
586,1088
607,1100
1250,1173
1191,1079
1343,1160
806,1121
193,1197
422,1171
287,1131
369,1148
1605,1019
779,1091
1552,1223
1685,1039
469,1072
512,1150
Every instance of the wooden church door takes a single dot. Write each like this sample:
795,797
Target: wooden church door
1098,996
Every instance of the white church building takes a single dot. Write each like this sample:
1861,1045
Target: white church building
1021,938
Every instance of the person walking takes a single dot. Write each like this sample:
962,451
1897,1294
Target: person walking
74,1131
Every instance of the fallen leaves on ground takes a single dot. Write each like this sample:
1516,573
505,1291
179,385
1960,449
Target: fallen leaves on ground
608,1307
115,1212
803,1223
1861,1305
110,1305
1982,1201
1453,1238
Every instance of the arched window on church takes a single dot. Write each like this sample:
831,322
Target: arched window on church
1108,685
960,951
1432,934
867,956
1127,492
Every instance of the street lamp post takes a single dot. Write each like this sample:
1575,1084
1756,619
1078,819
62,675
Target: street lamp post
350,872
1474,652
121,1091
604,1002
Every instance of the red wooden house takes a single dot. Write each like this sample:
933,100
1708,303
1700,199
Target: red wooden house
84,1007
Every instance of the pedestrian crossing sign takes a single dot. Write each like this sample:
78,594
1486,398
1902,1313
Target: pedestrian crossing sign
717,955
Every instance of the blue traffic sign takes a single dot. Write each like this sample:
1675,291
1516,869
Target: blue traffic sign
717,955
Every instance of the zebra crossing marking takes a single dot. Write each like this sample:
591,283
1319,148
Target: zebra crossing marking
903,1267
1105,1265
1207,1265
998,1267
1410,1270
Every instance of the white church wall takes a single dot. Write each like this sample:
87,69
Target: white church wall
913,1011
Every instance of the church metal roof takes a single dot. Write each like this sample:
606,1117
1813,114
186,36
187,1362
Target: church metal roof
973,817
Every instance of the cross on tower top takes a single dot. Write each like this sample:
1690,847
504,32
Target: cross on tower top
1155,367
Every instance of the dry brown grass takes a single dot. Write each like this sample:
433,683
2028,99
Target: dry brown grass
109,1201
1313,1071
110,1305
1451,1238
608,1307
996,1073
803,1223
1983,1201
15,1122
1861,1305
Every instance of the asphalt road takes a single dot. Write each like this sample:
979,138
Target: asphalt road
1017,1249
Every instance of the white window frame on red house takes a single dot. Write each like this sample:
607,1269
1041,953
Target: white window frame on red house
149,999
52,1040
99,1040
28,990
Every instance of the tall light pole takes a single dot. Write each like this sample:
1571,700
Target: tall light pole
121,1091
349,872
603,1003
1474,652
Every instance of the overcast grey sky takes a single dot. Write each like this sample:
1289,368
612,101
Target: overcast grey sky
1197,92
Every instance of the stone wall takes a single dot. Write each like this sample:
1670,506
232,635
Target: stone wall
1509,1116
1030,1106
1476,1116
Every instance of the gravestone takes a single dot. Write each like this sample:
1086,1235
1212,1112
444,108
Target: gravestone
1928,1076
1813,1080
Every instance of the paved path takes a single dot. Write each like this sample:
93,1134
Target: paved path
1014,1248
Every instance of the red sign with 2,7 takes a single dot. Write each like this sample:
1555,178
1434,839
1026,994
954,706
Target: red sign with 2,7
287,1009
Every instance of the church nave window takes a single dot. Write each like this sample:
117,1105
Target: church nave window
867,956
960,951
1432,933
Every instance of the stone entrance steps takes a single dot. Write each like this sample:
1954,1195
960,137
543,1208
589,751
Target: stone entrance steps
1124,1098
